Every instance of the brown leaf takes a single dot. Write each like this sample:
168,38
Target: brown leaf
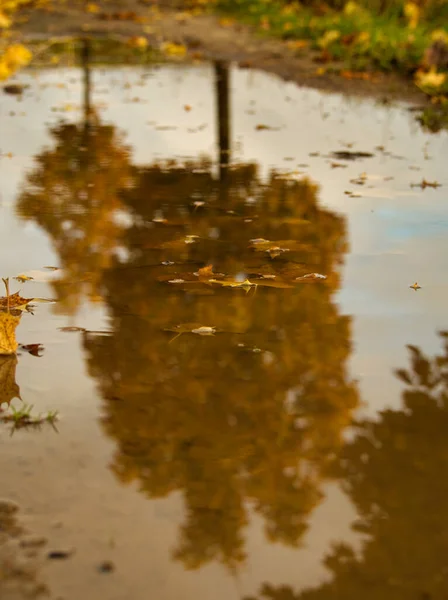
206,272
8,386
34,349
15,301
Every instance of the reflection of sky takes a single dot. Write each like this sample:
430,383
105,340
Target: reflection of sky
397,234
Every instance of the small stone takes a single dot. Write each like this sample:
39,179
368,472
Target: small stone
107,566
59,554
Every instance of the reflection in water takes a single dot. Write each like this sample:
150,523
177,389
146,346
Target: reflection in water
19,558
250,418
226,419
396,472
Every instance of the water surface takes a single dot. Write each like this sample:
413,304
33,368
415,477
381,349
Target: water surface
218,439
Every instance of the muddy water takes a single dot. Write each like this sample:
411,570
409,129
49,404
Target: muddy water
230,427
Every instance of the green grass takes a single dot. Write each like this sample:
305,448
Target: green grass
360,39
23,417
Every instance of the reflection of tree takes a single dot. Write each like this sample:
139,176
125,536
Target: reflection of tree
211,417
396,472
73,195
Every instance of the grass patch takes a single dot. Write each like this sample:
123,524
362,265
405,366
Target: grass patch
393,40
23,417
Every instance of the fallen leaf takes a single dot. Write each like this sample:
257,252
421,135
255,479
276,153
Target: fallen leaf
173,50
424,184
415,286
206,272
14,301
8,325
431,79
138,41
33,349
204,330
350,155
23,278
195,328
311,277
262,127
8,386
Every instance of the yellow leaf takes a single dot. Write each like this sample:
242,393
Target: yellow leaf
439,35
412,14
8,325
5,21
5,71
92,8
174,50
17,56
431,79
351,8
298,44
328,38
138,42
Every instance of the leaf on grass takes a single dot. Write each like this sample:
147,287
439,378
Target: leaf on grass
8,325
430,80
174,50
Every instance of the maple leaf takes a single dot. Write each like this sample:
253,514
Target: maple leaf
8,386
8,325
14,301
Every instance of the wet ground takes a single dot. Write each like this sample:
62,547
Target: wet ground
240,413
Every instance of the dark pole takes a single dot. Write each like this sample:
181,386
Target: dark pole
87,82
223,110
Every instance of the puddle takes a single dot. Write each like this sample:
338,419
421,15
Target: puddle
207,383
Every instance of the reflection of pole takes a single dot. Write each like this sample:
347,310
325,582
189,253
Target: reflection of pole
85,65
223,109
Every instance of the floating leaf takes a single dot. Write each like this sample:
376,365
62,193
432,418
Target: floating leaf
311,277
350,155
195,328
204,330
23,278
424,184
33,349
